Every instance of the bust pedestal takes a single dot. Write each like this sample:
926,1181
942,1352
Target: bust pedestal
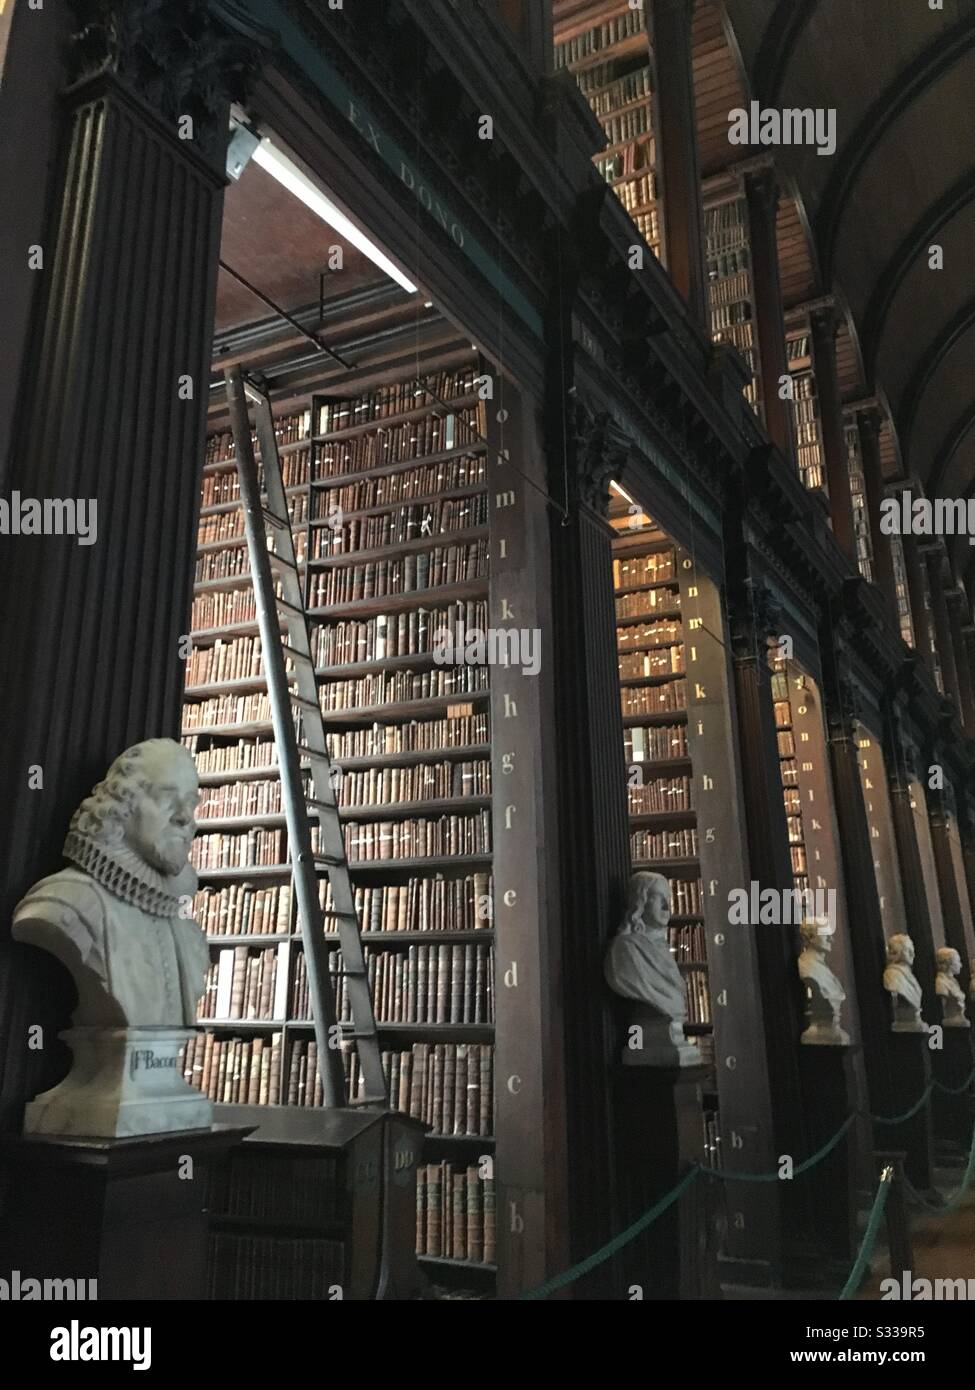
910,1063
124,1081
829,1090
953,1114
121,1211
658,1136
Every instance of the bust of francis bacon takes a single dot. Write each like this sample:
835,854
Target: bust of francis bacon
117,917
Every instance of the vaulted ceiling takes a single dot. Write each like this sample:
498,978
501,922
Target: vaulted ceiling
901,77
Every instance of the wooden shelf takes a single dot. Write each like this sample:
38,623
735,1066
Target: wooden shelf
668,615
669,716
377,509
216,464
417,412
250,939
399,603
276,820
634,682
445,1262
623,48
662,820
402,710
419,544
357,867
383,470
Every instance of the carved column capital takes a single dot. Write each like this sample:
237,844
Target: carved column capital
190,58
599,452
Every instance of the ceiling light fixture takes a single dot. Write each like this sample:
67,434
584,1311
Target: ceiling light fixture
280,167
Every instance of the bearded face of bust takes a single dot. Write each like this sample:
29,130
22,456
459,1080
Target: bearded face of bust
160,824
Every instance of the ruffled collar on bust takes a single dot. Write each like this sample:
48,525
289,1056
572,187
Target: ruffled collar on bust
129,877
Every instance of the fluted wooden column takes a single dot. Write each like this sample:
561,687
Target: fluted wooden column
677,159
942,627
824,323
90,633
917,592
900,761
869,422
762,197
940,813
958,617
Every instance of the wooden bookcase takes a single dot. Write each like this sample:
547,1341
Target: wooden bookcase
805,406
730,289
606,48
388,496
858,497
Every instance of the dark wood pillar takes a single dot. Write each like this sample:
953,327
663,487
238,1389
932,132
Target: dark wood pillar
901,759
939,810
917,592
594,840
762,198
869,422
677,159
823,323
957,605
867,939
942,628
112,411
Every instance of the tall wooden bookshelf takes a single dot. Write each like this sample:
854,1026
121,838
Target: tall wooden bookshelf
858,497
730,289
389,490
606,48
660,774
805,406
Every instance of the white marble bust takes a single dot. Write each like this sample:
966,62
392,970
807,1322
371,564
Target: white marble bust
901,984
824,993
640,967
118,918
948,989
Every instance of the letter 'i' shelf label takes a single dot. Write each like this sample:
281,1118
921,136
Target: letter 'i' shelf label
301,49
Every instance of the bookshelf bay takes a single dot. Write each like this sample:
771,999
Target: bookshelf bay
387,496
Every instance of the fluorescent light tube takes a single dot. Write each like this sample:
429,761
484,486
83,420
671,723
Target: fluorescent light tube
290,177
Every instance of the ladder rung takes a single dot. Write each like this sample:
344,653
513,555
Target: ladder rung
273,519
357,1036
312,752
301,700
346,916
282,562
348,974
296,653
333,861
322,805
291,607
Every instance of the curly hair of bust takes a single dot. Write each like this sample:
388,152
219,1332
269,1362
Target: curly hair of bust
102,815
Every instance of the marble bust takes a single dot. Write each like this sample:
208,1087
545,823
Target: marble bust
949,990
118,918
901,984
640,967
824,993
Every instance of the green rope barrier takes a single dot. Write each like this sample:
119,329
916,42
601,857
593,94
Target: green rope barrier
732,1175
947,1204
956,1090
908,1114
869,1235
611,1247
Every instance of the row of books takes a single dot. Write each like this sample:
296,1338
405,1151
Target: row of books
245,754
223,486
421,782
687,942
428,480
225,660
686,897
797,348
415,439
648,225
740,335
433,903
288,429
663,844
786,742
298,1190
444,837
652,634
641,699
443,564
697,996
633,161
234,561
270,1267
590,41
655,743
792,800
245,983
730,266
235,1071
645,601
449,1086
407,523
250,849
793,826
424,984
457,730
394,399
656,568
402,687
455,1213
711,1138
610,97
411,633
638,192
664,660
628,125
729,288
783,713
726,226
662,794
243,909
223,608
227,710
250,798
789,769
726,315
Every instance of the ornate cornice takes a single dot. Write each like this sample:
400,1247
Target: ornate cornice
599,451
190,58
